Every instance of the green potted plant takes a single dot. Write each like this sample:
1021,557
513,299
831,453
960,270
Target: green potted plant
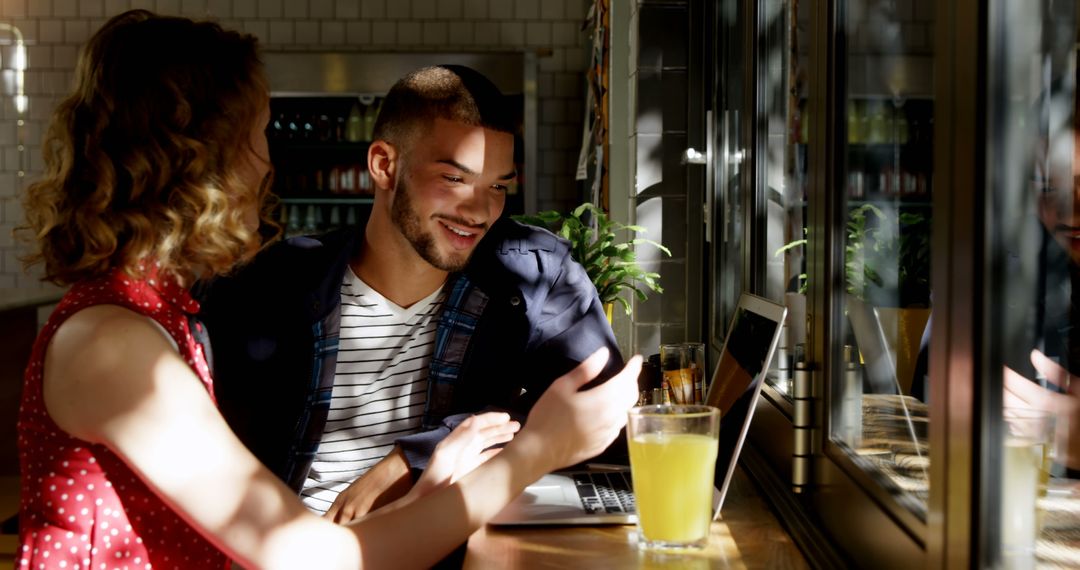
878,263
887,266
594,243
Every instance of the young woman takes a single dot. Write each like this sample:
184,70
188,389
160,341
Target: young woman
156,170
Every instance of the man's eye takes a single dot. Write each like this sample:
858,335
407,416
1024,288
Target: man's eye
453,179
500,187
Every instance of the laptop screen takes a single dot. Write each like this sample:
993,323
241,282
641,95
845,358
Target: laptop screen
736,382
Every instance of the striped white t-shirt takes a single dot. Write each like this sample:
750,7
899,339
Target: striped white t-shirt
380,386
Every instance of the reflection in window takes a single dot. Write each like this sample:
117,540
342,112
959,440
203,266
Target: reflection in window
880,415
1033,235
785,94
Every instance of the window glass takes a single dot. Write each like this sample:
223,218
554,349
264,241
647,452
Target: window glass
879,415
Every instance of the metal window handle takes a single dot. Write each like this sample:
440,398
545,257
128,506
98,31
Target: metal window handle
694,156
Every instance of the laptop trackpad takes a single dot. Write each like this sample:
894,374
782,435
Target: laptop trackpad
550,490
557,499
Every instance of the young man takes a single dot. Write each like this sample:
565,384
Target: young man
353,354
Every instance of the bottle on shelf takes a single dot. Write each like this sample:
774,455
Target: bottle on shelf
354,129
854,122
864,123
902,131
339,128
371,114
324,128
307,129
294,127
890,125
333,180
300,183
348,180
364,182
294,220
310,220
856,184
878,124
277,128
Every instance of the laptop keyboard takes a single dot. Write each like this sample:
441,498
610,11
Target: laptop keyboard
605,492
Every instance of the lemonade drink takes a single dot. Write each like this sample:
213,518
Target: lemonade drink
673,483
1021,466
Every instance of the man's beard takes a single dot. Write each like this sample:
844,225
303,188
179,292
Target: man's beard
404,216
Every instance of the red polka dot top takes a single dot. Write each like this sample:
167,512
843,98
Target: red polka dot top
81,506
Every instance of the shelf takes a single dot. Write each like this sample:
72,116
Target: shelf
908,146
323,146
905,201
339,200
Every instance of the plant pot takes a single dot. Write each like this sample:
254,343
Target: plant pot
888,342
608,309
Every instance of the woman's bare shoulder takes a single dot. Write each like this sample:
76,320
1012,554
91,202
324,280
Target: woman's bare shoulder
97,362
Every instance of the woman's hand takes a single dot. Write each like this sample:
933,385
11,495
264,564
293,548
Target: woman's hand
567,426
467,446
1021,392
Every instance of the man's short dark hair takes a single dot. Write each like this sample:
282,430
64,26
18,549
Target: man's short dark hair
451,92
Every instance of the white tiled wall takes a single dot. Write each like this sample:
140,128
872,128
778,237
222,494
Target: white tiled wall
55,29
658,134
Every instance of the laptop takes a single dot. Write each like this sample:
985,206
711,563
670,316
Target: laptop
605,496
879,362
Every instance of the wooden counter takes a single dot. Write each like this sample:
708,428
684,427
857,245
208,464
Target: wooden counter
747,536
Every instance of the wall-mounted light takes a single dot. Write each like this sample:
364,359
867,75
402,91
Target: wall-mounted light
18,65
18,70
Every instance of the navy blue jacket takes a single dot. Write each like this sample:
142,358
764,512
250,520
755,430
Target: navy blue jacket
519,316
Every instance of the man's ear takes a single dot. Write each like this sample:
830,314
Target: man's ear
382,164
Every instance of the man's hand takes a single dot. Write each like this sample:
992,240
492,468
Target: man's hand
1021,392
568,425
384,483
459,453
468,446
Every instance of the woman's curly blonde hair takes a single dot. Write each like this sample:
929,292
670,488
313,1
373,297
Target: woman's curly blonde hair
143,160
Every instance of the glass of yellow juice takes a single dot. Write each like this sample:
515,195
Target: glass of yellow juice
1025,473
672,463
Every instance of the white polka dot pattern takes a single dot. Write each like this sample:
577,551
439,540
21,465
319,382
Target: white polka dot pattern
81,507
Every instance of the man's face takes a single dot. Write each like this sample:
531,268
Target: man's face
1059,202
452,186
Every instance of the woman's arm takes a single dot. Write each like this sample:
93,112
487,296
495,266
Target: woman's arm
111,377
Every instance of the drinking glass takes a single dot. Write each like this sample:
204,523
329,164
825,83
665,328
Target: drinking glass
683,366
672,462
1025,473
